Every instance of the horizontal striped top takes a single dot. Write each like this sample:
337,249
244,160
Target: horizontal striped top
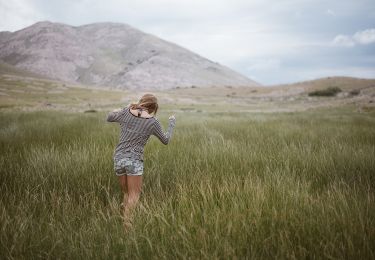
135,131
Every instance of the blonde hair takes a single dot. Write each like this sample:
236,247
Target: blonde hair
148,101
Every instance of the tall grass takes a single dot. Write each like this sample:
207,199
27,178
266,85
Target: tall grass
292,185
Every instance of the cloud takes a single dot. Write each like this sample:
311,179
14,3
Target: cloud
364,37
343,40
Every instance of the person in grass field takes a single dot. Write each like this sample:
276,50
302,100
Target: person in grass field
137,123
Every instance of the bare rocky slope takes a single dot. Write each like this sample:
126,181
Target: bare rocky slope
111,55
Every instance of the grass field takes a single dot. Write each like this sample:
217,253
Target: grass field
297,185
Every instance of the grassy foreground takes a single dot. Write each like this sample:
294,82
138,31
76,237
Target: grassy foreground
281,185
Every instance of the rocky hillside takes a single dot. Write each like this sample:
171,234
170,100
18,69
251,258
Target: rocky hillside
111,54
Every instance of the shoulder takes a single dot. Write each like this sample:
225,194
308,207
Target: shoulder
126,109
122,111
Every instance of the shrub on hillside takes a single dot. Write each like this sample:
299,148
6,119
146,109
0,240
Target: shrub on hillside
90,111
355,92
328,92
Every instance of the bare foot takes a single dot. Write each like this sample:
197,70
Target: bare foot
127,225
127,220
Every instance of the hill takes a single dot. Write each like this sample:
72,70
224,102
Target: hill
22,90
111,54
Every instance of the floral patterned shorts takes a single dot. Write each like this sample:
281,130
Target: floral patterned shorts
128,165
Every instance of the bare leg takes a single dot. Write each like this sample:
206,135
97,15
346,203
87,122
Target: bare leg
134,185
124,187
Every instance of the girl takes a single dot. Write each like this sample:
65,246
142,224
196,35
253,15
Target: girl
137,123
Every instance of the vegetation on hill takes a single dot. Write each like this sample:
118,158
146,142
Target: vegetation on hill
328,92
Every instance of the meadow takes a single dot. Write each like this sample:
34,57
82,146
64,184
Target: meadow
295,185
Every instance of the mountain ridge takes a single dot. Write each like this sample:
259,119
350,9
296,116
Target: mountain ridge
111,55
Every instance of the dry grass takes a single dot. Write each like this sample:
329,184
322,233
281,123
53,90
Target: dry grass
27,93
261,186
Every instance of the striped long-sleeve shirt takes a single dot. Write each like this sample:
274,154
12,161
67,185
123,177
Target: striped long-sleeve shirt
135,131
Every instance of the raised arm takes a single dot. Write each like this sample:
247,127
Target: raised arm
116,115
158,131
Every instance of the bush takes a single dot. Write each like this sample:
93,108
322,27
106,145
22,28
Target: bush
90,111
354,92
328,92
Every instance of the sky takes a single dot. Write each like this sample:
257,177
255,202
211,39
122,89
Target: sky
269,41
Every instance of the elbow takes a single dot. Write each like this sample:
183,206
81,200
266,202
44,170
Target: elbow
165,141
109,118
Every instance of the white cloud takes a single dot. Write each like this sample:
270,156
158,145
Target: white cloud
343,40
361,37
365,37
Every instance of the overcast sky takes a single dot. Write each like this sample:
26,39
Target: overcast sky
270,41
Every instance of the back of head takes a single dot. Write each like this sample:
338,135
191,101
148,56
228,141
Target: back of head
147,101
